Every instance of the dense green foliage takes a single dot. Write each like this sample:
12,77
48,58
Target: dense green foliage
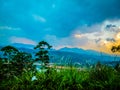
102,78
14,62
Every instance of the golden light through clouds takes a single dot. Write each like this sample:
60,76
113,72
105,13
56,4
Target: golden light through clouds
118,36
77,35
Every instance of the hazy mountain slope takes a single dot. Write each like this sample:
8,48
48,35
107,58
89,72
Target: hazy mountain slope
70,55
81,51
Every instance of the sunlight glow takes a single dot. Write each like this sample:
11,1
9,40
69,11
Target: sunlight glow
118,36
77,36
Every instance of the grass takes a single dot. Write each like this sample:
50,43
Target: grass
98,78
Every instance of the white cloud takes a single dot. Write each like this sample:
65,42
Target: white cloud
56,42
102,32
23,40
8,28
39,18
70,41
101,38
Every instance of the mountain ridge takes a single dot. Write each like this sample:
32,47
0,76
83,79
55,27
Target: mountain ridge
74,55
82,51
64,49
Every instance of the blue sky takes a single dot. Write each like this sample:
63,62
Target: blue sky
87,24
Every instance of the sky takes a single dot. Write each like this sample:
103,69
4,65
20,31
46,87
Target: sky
87,24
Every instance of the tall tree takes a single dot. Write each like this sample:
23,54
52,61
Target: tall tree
42,54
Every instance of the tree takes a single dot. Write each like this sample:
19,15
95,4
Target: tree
115,49
42,54
22,61
9,52
17,62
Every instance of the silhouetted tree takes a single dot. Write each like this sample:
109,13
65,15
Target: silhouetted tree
9,52
42,54
115,49
118,48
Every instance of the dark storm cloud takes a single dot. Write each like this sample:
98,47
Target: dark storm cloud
110,39
63,18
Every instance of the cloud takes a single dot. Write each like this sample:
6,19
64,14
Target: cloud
57,42
101,39
110,40
39,18
23,40
65,17
70,41
8,28
78,35
104,37
118,36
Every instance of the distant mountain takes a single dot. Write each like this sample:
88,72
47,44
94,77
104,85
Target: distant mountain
82,51
70,55
76,50
20,45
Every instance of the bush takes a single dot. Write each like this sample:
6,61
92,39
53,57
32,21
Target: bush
103,73
102,77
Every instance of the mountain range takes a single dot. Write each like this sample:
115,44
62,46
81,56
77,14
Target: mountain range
71,55
65,49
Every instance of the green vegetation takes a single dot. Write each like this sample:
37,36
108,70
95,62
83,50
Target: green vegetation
102,78
14,62
18,73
